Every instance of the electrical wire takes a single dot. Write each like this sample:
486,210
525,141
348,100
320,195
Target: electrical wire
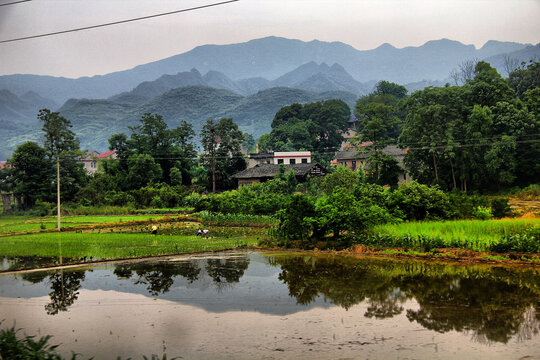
15,2
155,157
117,22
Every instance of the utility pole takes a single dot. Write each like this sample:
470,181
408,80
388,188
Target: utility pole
213,159
58,189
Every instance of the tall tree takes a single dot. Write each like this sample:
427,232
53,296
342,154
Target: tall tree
477,134
62,146
379,121
316,127
222,142
169,148
30,173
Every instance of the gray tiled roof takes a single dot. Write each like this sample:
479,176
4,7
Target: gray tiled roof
270,170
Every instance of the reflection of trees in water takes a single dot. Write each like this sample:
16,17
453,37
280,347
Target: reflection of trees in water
493,311
493,304
158,276
31,262
340,280
226,271
386,305
64,286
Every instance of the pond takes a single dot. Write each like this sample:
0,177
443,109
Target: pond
278,305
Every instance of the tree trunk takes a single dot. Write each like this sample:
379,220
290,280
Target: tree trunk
214,173
453,175
435,167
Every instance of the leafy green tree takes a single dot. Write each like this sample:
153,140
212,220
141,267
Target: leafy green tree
342,212
521,80
379,122
392,89
388,169
222,143
342,177
488,86
30,173
316,127
61,144
143,170
170,148
293,219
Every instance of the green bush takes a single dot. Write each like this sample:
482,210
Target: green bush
500,208
463,206
295,219
418,202
482,213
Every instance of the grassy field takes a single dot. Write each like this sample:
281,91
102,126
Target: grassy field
113,245
506,235
18,224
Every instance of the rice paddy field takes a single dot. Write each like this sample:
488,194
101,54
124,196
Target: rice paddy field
22,224
505,235
113,245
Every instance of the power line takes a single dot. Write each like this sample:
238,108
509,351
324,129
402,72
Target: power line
155,157
117,22
15,2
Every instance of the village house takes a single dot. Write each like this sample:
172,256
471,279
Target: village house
355,158
93,158
263,172
276,158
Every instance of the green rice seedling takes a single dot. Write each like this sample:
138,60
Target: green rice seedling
507,235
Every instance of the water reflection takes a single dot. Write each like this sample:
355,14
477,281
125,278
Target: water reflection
493,304
34,262
158,276
65,287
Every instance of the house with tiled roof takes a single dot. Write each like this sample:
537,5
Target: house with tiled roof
263,172
355,158
93,158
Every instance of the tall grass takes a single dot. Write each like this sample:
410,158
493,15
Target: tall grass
507,235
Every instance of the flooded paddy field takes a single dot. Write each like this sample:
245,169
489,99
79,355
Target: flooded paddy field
264,305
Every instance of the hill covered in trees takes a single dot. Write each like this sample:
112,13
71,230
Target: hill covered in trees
94,120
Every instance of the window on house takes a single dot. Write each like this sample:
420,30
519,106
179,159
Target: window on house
292,161
304,161
354,164
280,161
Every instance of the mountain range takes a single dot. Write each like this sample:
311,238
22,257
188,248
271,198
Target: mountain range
248,82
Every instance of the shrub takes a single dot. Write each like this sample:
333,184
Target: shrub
156,202
294,223
500,207
418,202
482,213
463,206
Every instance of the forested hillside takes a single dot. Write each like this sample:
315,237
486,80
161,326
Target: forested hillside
94,120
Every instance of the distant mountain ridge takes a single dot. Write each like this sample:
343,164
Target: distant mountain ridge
248,82
271,57
22,108
310,77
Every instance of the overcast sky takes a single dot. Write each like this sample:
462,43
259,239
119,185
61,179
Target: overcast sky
363,24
